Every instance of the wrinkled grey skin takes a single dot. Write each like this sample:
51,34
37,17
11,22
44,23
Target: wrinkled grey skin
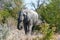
27,19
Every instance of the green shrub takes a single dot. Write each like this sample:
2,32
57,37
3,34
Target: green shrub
4,14
47,31
50,13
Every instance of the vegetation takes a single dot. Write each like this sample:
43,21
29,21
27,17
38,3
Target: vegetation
50,13
9,10
3,15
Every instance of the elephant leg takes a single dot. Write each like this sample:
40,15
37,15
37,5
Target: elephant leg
30,27
33,29
25,28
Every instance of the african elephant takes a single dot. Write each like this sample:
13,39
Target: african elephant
27,19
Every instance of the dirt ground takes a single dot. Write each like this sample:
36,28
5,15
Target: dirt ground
20,35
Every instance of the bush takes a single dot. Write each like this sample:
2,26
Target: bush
50,13
47,31
4,14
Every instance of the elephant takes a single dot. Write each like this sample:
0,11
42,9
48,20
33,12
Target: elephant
27,19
